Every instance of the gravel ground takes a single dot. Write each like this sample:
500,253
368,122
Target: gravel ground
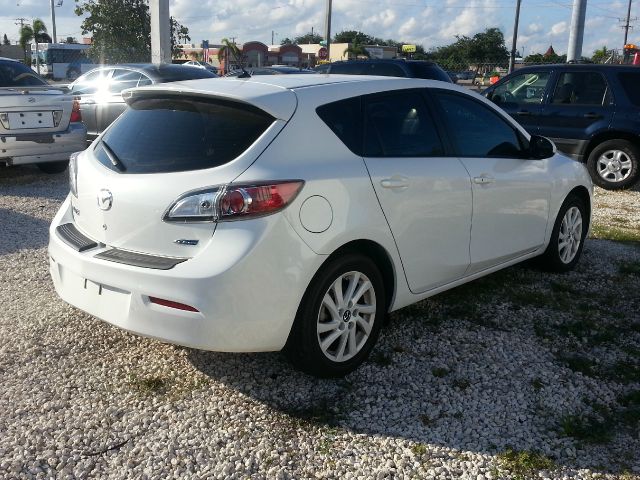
519,375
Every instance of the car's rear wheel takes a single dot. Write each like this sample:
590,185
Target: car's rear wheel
568,236
54,167
339,318
614,164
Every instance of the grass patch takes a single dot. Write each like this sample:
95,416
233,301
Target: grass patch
461,383
629,235
419,449
537,384
321,413
381,358
524,464
629,268
440,372
579,363
150,385
587,428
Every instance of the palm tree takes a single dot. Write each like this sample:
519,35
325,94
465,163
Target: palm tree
230,49
36,31
356,50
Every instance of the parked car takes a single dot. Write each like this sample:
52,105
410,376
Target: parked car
453,76
205,65
202,216
396,67
100,90
590,111
466,75
39,123
274,70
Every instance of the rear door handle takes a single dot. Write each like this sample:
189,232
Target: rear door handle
483,179
523,113
591,115
395,182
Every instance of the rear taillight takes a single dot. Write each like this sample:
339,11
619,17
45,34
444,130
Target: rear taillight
75,112
172,304
234,202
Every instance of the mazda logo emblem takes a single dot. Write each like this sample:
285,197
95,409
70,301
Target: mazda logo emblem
105,199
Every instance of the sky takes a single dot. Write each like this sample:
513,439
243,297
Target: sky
431,23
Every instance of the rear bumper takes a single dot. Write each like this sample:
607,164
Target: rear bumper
28,148
246,286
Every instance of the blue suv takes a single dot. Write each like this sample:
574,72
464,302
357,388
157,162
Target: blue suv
591,112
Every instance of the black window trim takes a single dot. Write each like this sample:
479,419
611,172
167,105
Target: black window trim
498,112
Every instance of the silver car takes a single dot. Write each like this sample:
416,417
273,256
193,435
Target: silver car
100,90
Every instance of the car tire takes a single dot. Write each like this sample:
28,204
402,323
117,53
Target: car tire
73,74
332,337
613,164
54,167
568,236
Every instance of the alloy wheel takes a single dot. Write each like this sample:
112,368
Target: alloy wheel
346,317
614,166
570,235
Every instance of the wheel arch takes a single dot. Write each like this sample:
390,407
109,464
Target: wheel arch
380,257
583,194
609,135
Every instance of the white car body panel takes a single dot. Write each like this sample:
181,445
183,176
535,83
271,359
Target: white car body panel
247,278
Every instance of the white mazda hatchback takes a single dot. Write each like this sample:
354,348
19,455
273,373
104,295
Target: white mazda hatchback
293,212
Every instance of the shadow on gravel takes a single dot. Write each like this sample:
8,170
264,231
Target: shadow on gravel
447,373
20,231
29,181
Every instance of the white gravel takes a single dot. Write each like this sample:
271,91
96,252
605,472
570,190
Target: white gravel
454,382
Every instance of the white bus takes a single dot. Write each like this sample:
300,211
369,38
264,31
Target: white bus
61,60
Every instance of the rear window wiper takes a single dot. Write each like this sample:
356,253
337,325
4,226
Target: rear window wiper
113,158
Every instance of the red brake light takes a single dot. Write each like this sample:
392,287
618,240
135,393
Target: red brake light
75,112
242,201
171,304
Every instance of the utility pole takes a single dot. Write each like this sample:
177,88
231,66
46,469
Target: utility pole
626,25
327,29
512,57
576,33
272,34
160,31
53,22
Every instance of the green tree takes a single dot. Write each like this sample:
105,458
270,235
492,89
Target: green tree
230,53
5,40
356,50
286,41
308,38
37,32
178,32
70,40
121,29
601,55
353,36
536,58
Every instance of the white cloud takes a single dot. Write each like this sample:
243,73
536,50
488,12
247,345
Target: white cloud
558,28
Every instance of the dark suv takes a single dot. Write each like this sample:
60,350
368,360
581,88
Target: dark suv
591,112
395,67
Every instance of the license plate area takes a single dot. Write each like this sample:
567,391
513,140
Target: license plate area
25,120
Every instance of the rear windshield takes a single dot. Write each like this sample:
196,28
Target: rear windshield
16,74
631,84
183,73
429,71
179,134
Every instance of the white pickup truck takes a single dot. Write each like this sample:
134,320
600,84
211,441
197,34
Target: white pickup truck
39,123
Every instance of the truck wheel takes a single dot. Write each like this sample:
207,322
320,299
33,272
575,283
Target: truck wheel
54,167
614,164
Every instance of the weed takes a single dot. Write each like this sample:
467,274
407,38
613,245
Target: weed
149,385
579,363
537,384
523,464
381,358
629,268
440,372
399,349
461,383
426,420
419,449
320,413
588,428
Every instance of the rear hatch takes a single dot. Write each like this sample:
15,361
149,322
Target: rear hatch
34,110
165,145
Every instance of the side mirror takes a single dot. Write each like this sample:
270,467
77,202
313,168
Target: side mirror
541,147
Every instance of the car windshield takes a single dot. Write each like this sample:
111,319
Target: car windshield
16,74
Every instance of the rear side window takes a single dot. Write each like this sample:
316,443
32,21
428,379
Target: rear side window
16,74
428,71
399,125
631,84
349,68
580,88
344,119
176,134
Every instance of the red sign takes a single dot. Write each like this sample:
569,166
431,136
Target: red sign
322,53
